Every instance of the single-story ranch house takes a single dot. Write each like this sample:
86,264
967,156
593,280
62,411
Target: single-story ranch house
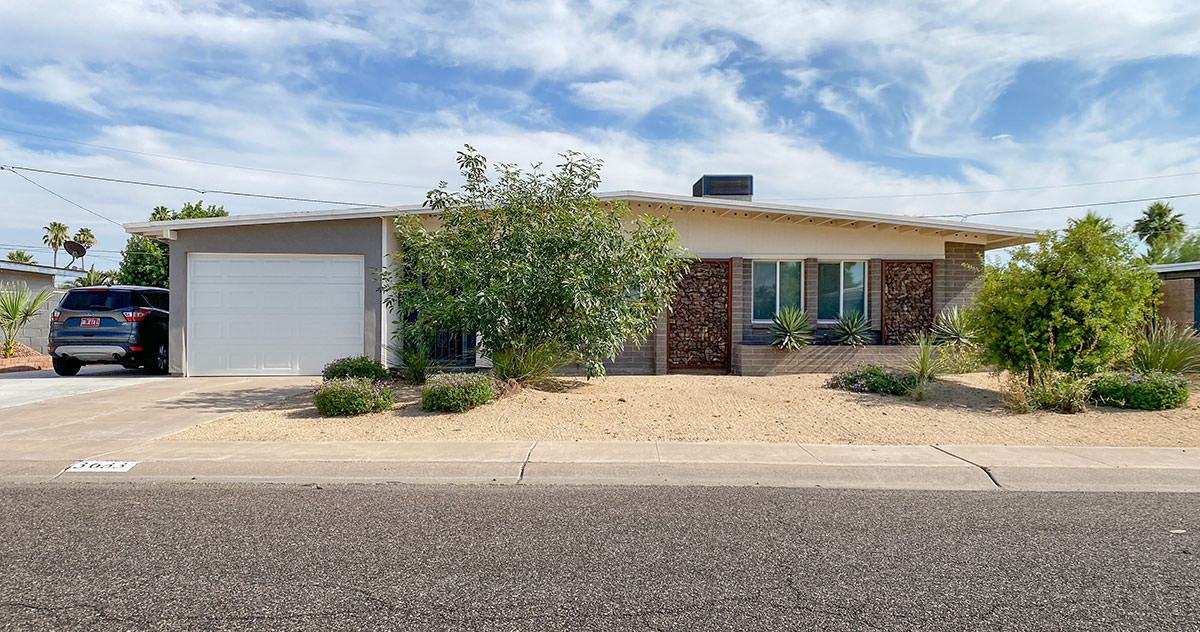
1180,292
284,293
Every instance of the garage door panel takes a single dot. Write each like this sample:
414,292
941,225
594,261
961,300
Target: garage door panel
273,314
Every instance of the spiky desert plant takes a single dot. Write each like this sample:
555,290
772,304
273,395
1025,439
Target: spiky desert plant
954,326
1166,346
18,306
792,329
852,328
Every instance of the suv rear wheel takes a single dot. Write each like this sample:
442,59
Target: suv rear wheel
160,362
66,366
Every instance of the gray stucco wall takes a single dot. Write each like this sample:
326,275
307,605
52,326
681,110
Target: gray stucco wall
341,237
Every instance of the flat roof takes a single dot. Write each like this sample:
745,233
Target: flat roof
37,268
995,236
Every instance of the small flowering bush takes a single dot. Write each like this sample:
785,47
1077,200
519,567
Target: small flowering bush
456,392
344,396
359,366
871,378
1152,390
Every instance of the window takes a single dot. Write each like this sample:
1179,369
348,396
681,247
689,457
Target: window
841,289
95,300
777,285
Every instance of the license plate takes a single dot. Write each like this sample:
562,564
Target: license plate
89,322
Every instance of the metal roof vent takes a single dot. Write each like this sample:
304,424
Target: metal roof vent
728,187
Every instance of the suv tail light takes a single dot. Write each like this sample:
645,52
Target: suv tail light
55,315
135,315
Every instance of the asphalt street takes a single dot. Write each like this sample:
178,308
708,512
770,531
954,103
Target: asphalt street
355,557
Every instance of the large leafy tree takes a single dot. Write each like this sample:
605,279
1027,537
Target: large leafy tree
146,261
20,256
56,235
1159,227
85,238
535,264
1072,302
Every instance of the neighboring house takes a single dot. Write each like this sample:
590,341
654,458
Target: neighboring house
284,293
1180,292
37,278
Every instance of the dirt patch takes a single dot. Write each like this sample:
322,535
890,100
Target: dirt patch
25,359
963,409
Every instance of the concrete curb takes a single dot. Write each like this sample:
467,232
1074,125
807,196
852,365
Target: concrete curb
975,468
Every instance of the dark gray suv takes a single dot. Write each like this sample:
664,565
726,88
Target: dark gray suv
119,324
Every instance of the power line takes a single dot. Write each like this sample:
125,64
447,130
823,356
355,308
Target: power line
214,164
72,203
14,169
981,191
964,216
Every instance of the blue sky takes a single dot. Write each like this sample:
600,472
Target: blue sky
847,100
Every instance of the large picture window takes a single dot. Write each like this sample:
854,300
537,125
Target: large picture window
777,285
841,289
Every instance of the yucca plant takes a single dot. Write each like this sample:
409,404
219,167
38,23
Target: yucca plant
852,328
792,329
18,306
953,326
1166,346
925,362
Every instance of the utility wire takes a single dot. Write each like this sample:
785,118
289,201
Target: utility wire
981,191
214,164
964,216
15,169
72,203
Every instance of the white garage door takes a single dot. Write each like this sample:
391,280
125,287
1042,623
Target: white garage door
255,314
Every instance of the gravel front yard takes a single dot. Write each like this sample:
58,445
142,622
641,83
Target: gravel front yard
963,409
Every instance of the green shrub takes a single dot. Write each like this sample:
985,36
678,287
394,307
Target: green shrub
871,378
792,329
1054,391
852,328
953,326
456,392
359,366
960,358
1152,390
1166,346
344,396
527,363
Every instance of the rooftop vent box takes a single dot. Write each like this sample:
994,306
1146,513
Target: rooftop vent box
725,186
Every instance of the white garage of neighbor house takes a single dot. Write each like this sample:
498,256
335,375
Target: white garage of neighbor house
285,293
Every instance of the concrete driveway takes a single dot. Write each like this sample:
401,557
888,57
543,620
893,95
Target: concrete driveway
48,422
29,387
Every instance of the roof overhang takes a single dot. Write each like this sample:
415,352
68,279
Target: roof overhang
990,236
1187,266
35,268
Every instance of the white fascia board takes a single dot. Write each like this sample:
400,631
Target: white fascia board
808,211
1186,266
158,229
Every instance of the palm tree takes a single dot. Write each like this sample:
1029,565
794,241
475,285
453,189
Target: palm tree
90,279
85,238
20,256
56,235
1159,226
18,306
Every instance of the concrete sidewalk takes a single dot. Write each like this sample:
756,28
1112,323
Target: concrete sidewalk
615,463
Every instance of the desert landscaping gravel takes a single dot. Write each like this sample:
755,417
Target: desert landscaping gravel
963,409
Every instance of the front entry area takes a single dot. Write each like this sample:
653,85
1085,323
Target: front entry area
267,314
698,327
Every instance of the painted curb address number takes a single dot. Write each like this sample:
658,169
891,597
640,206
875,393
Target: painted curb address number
102,466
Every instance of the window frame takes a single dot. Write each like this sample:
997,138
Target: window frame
841,263
760,321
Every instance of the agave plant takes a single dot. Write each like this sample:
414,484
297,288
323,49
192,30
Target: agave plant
1166,346
953,326
792,329
852,328
18,306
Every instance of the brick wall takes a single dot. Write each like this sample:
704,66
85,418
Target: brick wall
1178,301
767,360
953,278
